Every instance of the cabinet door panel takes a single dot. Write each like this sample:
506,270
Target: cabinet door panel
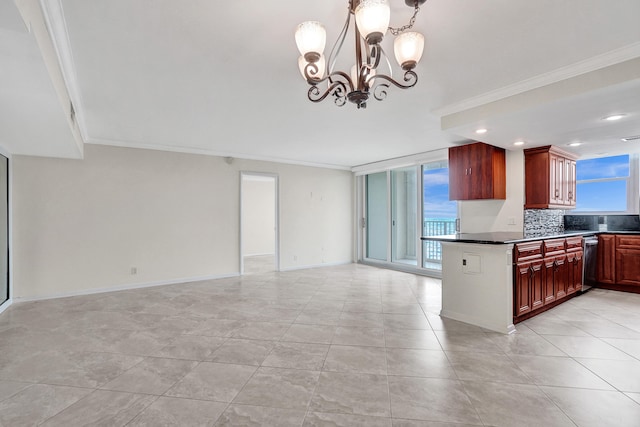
522,291
570,165
560,276
577,270
457,167
548,268
537,284
628,267
606,271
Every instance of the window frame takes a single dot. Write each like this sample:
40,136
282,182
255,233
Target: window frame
633,187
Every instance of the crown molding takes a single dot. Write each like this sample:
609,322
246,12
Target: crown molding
595,63
207,152
53,13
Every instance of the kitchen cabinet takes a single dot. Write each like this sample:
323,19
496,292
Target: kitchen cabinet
528,279
546,272
477,171
619,262
550,178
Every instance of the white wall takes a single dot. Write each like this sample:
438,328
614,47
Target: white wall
81,225
478,216
258,215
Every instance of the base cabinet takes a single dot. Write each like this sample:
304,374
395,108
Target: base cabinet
619,261
545,274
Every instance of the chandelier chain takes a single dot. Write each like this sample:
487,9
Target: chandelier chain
412,21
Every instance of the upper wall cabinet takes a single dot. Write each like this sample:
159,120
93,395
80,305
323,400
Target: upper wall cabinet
550,178
477,171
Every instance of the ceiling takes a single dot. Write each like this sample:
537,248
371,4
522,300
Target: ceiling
221,78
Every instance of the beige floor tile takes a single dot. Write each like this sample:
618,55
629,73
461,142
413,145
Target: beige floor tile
317,419
411,338
622,374
612,409
571,352
370,360
530,344
418,363
347,335
416,423
242,352
502,404
406,321
357,394
297,356
151,376
465,341
432,399
38,402
631,347
212,381
102,408
486,366
9,388
559,371
317,334
171,411
192,347
587,347
259,416
279,388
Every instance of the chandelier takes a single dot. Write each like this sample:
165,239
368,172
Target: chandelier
365,79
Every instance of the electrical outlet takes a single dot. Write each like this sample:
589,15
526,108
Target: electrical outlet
134,270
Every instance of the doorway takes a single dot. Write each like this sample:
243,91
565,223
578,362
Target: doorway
259,223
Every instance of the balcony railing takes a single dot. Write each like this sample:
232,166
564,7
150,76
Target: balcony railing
432,251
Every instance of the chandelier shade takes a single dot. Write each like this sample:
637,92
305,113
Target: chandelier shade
372,19
371,75
408,48
311,38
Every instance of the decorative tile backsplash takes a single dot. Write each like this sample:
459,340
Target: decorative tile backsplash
543,222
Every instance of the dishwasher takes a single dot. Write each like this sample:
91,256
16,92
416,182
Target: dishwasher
589,262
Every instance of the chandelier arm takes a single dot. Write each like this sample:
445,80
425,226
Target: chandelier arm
409,76
337,46
338,89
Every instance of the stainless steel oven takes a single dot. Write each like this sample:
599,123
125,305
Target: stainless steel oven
589,262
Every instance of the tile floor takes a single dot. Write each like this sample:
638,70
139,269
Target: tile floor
340,346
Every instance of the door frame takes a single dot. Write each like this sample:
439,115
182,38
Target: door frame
4,305
276,179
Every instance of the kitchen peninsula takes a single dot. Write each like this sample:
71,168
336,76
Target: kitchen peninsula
478,275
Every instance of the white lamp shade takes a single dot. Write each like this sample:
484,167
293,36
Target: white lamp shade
311,38
372,18
408,48
302,63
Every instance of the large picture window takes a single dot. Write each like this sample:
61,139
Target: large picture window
604,183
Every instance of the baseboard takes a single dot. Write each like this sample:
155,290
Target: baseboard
124,287
304,267
503,329
6,305
260,254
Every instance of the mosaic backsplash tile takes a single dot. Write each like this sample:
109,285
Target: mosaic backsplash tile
543,222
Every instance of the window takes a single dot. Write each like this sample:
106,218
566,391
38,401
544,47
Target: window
604,184
438,212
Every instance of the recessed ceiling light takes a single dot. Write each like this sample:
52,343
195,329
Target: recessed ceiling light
631,138
481,131
518,143
575,144
614,117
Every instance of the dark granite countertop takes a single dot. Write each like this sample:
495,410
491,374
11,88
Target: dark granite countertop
507,237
